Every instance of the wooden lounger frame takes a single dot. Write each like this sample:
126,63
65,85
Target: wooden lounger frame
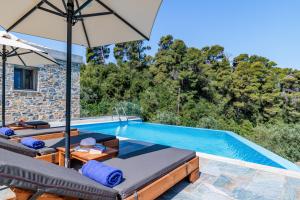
188,170
52,158
49,136
15,127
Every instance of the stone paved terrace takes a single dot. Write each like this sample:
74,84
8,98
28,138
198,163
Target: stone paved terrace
225,179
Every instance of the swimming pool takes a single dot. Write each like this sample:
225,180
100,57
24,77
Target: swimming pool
216,142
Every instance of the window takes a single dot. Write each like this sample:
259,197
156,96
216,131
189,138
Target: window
25,79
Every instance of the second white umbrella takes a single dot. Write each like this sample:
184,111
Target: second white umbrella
18,52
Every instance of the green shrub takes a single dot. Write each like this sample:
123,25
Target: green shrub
281,139
130,108
95,109
208,122
165,117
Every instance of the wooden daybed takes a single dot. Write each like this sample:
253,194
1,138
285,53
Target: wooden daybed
53,141
29,125
42,134
148,174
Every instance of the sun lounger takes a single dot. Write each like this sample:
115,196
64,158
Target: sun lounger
29,124
42,134
19,171
148,174
151,171
38,124
48,153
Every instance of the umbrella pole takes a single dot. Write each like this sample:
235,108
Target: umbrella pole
3,83
70,13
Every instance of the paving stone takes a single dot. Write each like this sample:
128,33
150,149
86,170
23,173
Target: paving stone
210,168
290,194
222,181
177,196
236,171
295,182
268,185
208,178
243,194
293,188
209,192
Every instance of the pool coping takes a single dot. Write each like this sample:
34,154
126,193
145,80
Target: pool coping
276,158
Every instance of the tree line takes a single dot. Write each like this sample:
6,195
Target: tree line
189,86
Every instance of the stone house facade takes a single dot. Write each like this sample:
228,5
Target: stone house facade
38,93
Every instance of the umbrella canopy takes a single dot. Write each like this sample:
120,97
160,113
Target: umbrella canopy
94,23
18,52
97,22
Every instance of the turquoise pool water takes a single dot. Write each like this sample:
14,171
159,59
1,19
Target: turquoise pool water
220,143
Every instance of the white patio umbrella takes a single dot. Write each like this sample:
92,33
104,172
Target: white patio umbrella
94,23
16,51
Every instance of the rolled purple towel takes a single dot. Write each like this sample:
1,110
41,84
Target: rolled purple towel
32,143
7,131
101,173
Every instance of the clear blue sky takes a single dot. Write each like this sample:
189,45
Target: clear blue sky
269,28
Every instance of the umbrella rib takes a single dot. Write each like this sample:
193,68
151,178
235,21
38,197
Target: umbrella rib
54,7
52,12
45,57
22,60
123,20
83,26
65,5
12,52
19,54
79,8
25,16
81,16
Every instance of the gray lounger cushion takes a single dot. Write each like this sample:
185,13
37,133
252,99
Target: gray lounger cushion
20,148
142,167
24,172
17,147
50,145
4,136
60,142
36,123
33,132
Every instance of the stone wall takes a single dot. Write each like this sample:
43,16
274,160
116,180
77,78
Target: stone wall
48,102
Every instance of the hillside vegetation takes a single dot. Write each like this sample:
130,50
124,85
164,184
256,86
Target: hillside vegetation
197,87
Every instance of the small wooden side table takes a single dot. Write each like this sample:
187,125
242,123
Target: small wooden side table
85,156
